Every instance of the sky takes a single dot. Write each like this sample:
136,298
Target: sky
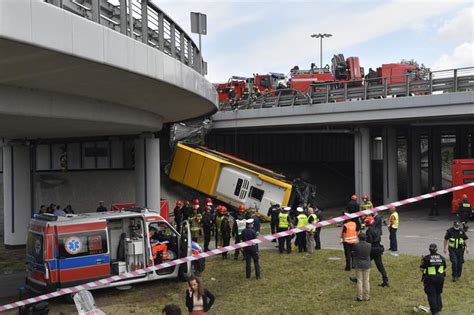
246,37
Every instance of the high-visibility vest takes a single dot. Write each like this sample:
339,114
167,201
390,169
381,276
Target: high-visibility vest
302,220
466,205
283,220
394,221
456,242
436,267
351,233
240,225
315,218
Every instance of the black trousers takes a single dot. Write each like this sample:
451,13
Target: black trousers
456,256
393,240
284,240
207,238
317,238
237,251
301,241
433,289
250,255
225,242
380,267
348,254
273,226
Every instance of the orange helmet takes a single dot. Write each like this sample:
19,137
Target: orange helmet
223,209
241,208
196,201
354,197
369,220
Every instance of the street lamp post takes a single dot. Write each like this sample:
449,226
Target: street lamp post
321,36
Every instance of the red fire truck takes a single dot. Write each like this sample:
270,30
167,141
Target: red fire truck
462,173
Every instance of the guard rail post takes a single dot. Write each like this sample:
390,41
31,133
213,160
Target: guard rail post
130,17
455,78
430,78
327,93
95,8
145,21
173,40
345,91
181,46
407,85
123,17
365,88
385,87
161,31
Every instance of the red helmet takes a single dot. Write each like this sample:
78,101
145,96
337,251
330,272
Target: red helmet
365,197
354,197
208,200
207,208
179,203
196,201
218,208
195,207
223,209
369,220
241,208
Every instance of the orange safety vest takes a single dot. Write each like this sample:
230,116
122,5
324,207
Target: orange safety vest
351,233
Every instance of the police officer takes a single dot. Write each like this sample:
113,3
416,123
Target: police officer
301,221
250,252
464,211
433,266
273,213
207,224
225,230
456,240
238,227
284,223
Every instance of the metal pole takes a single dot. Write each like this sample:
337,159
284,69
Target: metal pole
130,16
321,53
455,80
200,51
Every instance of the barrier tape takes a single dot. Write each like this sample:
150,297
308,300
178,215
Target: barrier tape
260,239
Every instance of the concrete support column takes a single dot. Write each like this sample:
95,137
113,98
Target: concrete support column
390,165
434,159
461,150
414,162
362,161
17,204
147,172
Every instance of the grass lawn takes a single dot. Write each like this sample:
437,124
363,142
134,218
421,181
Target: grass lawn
294,284
11,259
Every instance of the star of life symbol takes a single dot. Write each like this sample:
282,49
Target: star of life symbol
37,247
73,245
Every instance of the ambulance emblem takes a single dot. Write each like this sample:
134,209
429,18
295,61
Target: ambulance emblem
73,245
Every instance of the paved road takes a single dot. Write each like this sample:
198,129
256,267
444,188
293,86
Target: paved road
9,283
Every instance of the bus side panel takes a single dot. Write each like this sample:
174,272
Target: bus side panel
193,171
209,175
179,165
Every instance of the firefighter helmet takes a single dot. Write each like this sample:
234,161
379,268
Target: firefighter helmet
195,207
208,200
179,203
369,220
354,197
196,201
242,208
365,197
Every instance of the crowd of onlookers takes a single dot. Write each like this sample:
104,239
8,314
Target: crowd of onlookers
56,209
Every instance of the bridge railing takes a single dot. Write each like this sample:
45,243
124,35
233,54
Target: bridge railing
436,82
141,20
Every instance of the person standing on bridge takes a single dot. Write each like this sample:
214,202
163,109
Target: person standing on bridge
434,271
393,228
284,224
456,240
301,221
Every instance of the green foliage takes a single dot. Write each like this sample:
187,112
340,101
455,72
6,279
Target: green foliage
424,70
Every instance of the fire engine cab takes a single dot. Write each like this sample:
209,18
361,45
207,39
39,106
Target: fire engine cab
76,249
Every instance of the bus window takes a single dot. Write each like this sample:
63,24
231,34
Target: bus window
256,193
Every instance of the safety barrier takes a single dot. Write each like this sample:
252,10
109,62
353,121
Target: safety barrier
260,239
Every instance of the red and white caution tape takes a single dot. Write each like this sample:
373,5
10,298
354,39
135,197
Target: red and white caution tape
260,239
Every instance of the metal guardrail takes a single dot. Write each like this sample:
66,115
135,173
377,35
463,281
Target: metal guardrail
143,21
445,81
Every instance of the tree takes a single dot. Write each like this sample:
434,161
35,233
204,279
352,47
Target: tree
424,70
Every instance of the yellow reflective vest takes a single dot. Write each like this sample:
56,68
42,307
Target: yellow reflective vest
302,220
283,220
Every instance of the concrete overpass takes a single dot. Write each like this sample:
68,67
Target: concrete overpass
91,68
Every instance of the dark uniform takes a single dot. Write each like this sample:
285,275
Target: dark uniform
433,266
178,217
273,213
317,234
373,237
207,223
225,233
250,252
186,211
464,211
284,224
239,226
456,241
353,207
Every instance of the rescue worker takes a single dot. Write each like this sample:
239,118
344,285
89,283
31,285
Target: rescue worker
100,208
195,224
225,230
178,215
433,267
217,223
187,210
353,207
207,224
273,213
374,238
256,92
456,240
212,211
349,237
310,238
239,226
246,94
464,211
393,228
366,203
284,224
250,252
301,221
317,235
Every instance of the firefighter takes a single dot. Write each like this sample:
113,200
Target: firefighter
178,215
353,207
373,237
433,267
301,221
273,213
186,210
256,92
284,224
226,231
250,252
217,222
239,226
464,211
366,203
456,240
212,211
349,237
207,224
195,223
246,94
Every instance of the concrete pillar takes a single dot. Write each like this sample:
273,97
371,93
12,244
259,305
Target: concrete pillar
362,161
390,165
147,172
461,150
17,204
434,159
414,162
